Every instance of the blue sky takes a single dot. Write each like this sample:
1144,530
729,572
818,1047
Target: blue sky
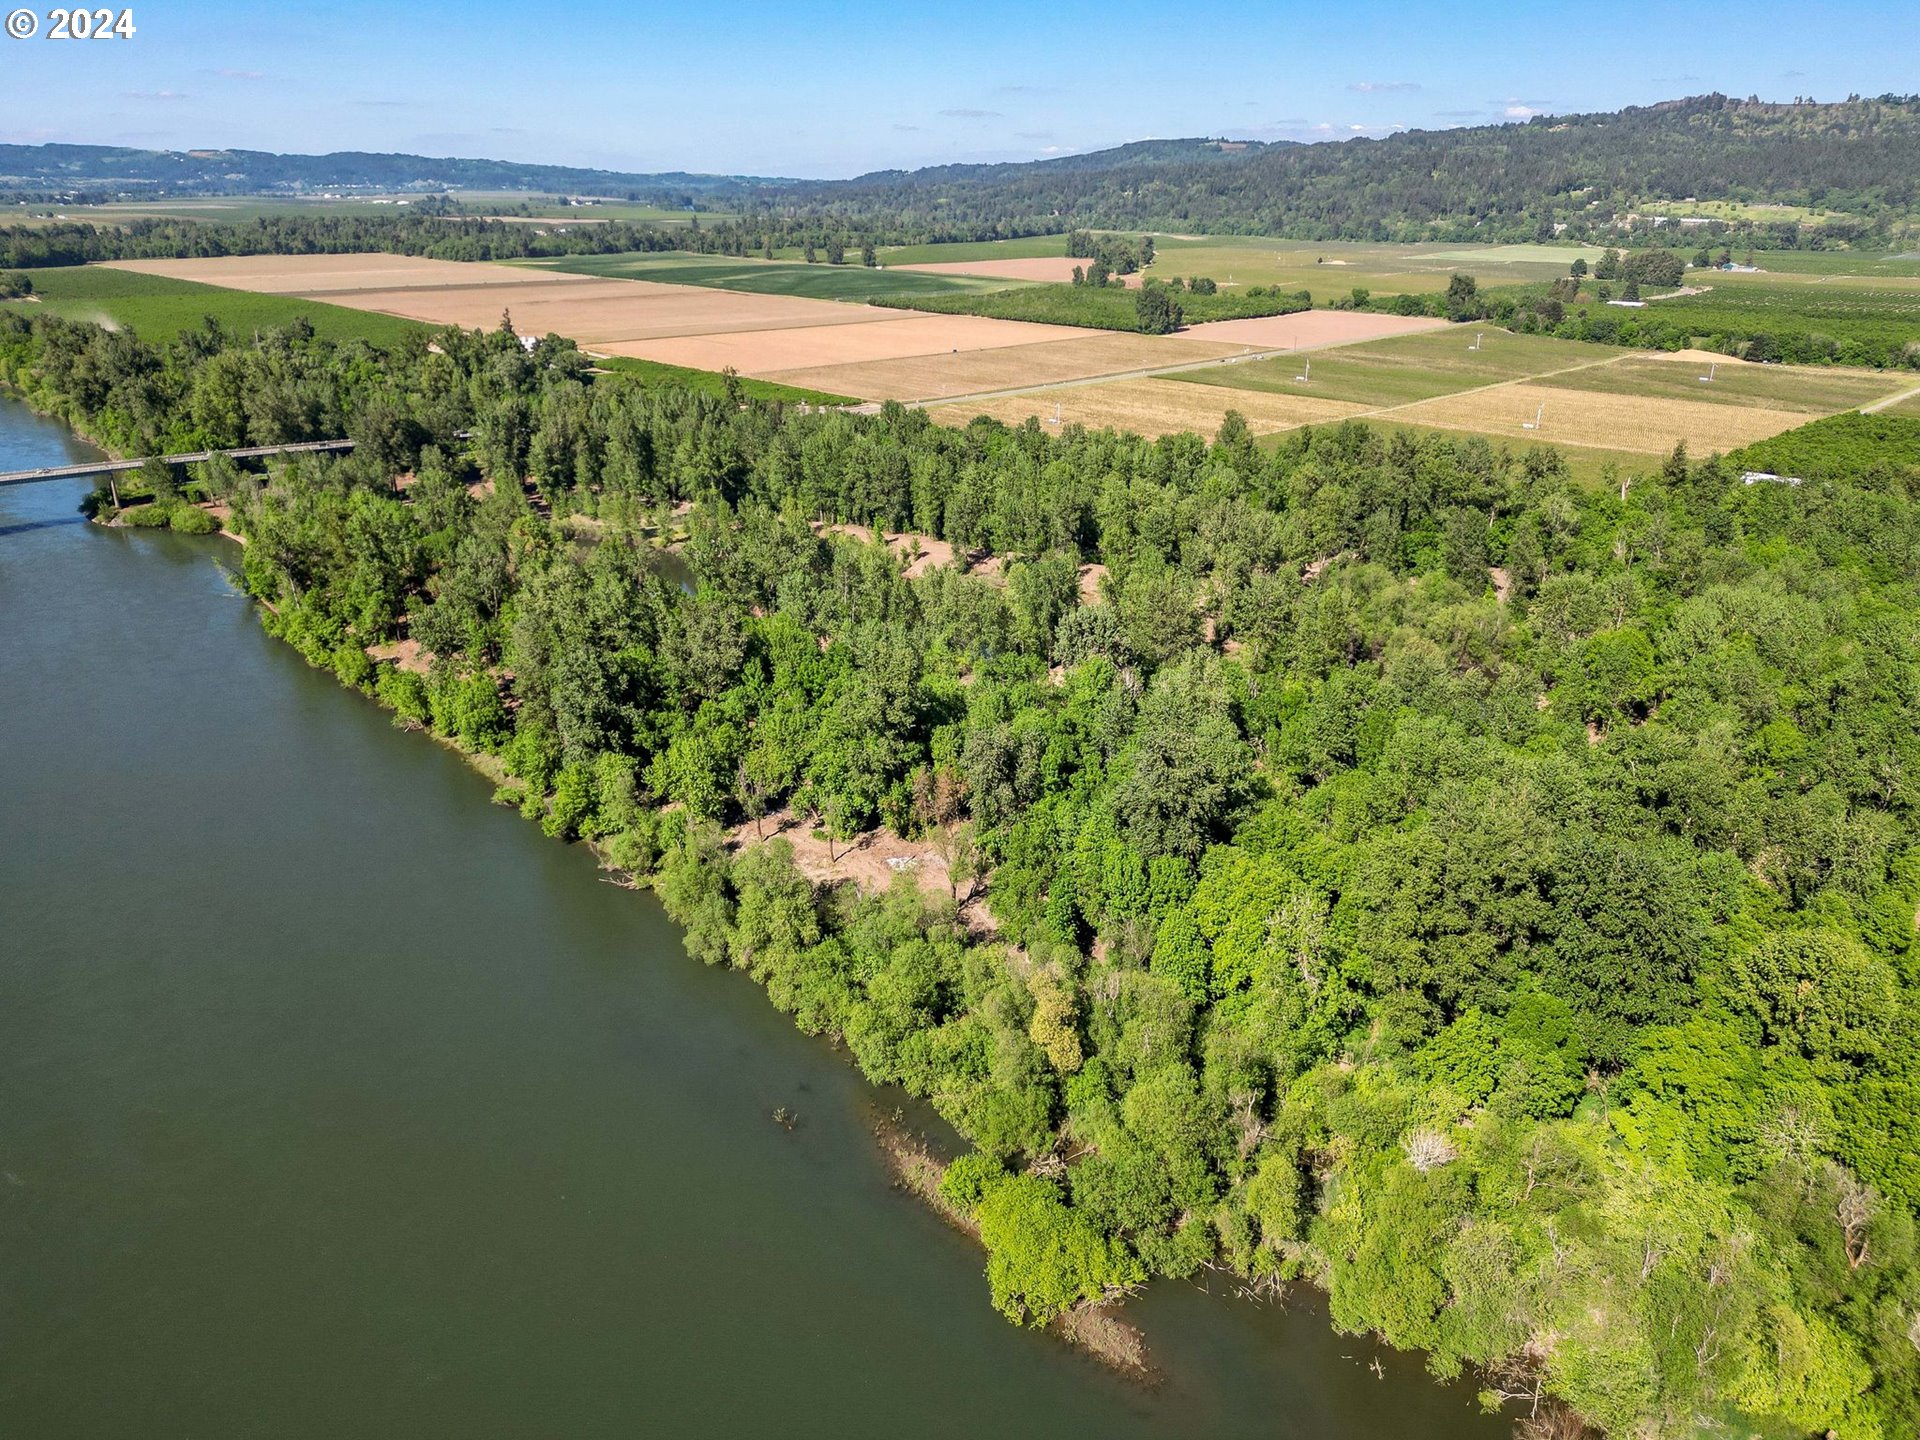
830,90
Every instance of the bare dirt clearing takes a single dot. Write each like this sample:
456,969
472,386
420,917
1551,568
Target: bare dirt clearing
1085,354
870,860
1307,329
921,552
1057,268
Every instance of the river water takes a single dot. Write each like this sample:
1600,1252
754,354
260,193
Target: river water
336,1101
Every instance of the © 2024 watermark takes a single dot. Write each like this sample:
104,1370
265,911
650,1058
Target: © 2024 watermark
64,24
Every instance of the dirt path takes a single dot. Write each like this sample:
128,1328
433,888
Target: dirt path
1891,400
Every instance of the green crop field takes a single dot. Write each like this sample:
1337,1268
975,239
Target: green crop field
1775,264
1098,308
1854,323
1408,367
1332,268
1771,387
772,277
156,308
1028,248
653,374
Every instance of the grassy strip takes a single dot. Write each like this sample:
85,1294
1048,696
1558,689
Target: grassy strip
654,375
1103,308
1028,247
157,308
771,277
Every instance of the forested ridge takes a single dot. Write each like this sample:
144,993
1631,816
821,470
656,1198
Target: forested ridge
1574,177
1486,182
1491,900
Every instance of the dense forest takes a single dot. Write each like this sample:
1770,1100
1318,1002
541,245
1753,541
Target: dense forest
1405,871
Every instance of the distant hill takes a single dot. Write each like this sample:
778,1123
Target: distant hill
107,168
1855,163
1860,158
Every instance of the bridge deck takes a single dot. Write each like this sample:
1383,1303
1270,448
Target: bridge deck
116,467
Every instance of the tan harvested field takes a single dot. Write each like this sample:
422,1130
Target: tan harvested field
1640,423
595,312
326,274
1307,329
599,313
901,335
1038,267
1155,407
1092,353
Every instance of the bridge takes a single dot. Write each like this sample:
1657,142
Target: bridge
119,467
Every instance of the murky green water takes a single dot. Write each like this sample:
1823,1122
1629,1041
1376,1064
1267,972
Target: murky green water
336,1102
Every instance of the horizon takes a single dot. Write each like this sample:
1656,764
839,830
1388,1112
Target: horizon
904,92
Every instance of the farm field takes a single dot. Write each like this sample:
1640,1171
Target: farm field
1332,268
1603,404
1411,367
1805,318
1640,423
1152,407
327,274
1405,370
822,350
1057,268
1055,359
1776,387
1817,264
158,307
1022,249
446,292
1051,361
767,277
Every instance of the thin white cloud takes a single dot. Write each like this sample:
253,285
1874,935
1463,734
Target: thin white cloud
1384,87
967,114
241,74
162,95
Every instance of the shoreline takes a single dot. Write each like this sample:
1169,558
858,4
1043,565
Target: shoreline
1094,1328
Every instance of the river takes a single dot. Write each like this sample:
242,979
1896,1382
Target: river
336,1101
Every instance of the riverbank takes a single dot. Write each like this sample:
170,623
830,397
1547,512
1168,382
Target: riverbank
1094,1328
